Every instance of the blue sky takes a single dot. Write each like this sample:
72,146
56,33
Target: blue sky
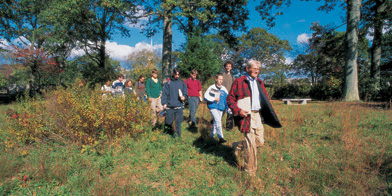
293,25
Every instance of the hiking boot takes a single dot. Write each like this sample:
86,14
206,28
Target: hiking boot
222,140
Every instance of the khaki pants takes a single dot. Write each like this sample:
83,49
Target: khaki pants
253,139
156,108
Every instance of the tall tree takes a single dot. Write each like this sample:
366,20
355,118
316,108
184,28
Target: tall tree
224,16
375,14
90,24
22,20
167,39
198,55
268,49
325,55
350,88
23,29
142,63
98,21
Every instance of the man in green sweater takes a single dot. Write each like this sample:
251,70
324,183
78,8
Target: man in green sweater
154,90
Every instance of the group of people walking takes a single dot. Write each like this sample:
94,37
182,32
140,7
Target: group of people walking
245,100
150,90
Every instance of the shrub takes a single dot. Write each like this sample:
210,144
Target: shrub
386,89
77,114
292,91
327,89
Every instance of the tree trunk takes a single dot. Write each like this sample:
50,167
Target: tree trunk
167,45
102,45
350,88
376,48
102,54
191,25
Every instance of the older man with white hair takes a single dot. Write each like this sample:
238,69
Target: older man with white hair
248,99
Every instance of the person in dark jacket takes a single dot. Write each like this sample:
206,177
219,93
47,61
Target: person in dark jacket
174,94
248,100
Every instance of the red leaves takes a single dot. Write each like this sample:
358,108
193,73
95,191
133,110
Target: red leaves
37,59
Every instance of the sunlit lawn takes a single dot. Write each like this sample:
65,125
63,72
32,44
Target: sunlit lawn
323,149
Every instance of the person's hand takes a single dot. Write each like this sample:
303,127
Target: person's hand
243,113
164,107
229,111
217,99
150,99
182,98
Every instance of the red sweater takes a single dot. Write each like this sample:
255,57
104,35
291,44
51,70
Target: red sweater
193,86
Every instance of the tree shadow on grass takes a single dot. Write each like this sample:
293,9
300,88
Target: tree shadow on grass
375,105
386,170
211,146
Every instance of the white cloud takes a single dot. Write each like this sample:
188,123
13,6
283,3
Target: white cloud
77,52
21,41
141,21
4,44
120,52
369,37
302,20
303,38
288,60
370,33
139,24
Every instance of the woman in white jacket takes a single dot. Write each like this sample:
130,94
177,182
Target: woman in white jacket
215,96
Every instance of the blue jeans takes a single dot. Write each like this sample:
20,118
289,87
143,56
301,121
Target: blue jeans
193,105
217,124
171,116
142,98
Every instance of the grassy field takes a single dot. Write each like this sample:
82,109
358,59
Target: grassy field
324,148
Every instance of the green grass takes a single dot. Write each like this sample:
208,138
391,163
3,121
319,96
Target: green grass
323,149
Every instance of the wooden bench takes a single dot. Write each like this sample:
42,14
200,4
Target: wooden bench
300,101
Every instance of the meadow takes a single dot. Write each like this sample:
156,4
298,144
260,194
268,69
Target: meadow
324,148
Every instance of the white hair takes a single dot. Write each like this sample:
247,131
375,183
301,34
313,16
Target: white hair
253,62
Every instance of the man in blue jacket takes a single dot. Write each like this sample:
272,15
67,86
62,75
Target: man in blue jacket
174,94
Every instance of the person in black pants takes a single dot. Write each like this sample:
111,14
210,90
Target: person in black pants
174,94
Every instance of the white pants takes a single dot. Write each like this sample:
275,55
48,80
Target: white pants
217,124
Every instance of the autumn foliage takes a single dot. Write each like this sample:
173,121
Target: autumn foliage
38,60
79,115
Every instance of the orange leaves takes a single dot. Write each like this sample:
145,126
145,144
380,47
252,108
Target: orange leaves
80,115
